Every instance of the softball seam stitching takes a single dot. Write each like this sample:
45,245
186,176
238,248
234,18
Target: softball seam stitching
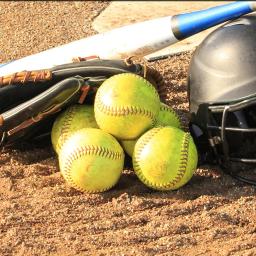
88,150
66,125
169,109
126,110
182,165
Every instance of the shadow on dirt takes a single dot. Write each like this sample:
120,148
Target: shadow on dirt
205,182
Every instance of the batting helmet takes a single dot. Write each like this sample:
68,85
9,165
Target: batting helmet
222,95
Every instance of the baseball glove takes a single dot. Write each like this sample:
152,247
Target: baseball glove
31,100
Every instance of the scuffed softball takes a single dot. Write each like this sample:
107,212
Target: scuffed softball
167,117
165,158
126,105
69,121
91,160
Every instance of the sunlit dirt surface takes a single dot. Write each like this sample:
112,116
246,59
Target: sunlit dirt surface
41,215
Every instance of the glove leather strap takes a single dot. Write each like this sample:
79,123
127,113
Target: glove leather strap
53,100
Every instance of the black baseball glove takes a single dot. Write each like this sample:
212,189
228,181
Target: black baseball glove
31,100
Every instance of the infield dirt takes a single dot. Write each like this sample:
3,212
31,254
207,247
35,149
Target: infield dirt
41,215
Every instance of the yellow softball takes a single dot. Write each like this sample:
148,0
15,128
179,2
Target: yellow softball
167,117
165,158
128,146
91,160
72,119
126,105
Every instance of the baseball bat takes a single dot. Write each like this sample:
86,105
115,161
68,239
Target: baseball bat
140,38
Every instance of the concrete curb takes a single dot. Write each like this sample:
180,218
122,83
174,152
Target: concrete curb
122,13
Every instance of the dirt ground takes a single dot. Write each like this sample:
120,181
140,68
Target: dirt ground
41,215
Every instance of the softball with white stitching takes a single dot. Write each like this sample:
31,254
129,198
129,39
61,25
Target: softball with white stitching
165,158
91,160
126,105
72,119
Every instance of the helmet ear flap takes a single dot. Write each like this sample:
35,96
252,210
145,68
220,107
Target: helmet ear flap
201,141
198,127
